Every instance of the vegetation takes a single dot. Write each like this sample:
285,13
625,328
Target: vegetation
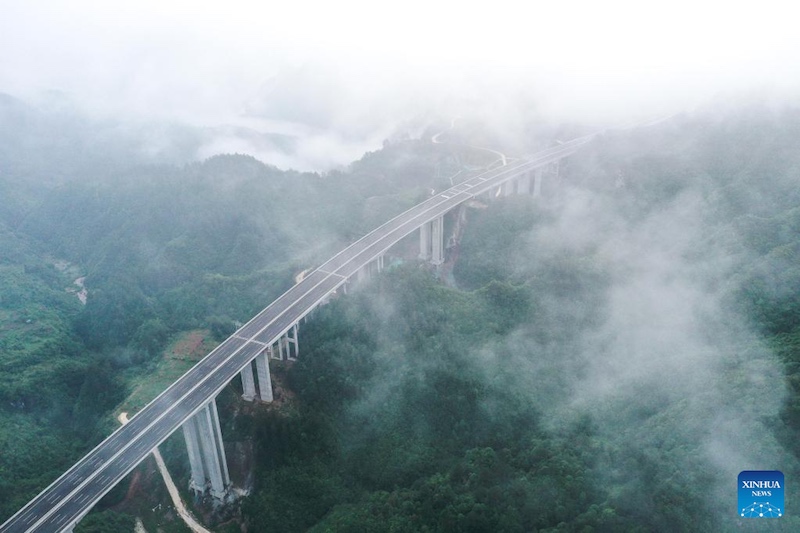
427,408
164,249
502,403
52,393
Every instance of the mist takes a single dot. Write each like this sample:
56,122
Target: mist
611,319
663,368
599,338
348,76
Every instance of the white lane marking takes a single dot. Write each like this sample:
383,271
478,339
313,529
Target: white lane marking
264,344
333,273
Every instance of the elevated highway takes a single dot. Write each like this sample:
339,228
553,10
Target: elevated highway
189,401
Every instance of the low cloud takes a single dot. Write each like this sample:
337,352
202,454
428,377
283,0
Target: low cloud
356,71
665,369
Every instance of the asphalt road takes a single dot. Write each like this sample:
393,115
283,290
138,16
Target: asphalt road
73,494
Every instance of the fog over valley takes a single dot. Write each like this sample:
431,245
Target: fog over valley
576,307
351,74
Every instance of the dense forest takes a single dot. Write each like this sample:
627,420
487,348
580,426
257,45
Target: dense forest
608,360
605,358
163,246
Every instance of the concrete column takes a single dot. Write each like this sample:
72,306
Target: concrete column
425,241
507,188
524,184
297,340
537,182
280,348
273,353
198,481
292,340
437,256
248,387
212,407
380,263
363,273
211,455
264,379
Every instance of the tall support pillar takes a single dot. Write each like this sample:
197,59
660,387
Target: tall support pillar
212,408
292,340
280,348
425,241
437,245
537,182
524,184
190,434
213,455
264,378
507,188
380,263
248,386
288,345
362,273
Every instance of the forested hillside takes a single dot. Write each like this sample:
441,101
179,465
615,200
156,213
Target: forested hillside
612,356
162,247
606,358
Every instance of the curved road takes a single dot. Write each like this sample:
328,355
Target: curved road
71,496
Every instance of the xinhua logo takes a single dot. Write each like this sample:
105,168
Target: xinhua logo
761,494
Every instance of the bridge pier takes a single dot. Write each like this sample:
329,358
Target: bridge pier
363,273
285,343
425,241
507,188
524,184
537,182
213,450
190,435
248,386
264,378
556,168
376,265
437,244
292,340
431,241
206,452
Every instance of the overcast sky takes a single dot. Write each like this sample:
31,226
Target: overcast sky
352,66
